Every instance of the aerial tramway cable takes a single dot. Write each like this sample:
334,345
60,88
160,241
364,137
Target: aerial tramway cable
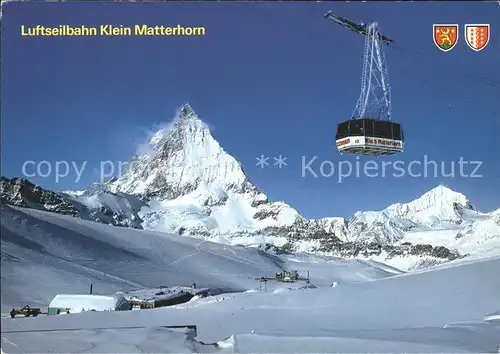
455,93
430,81
485,80
363,29
451,67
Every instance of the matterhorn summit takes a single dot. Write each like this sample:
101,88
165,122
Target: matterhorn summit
194,187
180,159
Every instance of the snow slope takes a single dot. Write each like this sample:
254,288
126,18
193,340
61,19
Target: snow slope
448,309
44,254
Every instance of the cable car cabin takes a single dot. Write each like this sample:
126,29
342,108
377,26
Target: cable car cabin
373,137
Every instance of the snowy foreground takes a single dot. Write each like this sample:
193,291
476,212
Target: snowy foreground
44,254
441,310
374,308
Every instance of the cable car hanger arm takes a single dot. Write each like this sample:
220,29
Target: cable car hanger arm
358,28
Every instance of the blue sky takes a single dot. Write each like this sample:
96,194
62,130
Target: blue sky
268,78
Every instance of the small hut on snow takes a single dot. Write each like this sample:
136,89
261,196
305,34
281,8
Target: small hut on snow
66,304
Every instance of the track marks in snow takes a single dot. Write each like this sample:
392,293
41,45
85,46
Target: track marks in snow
6,340
195,253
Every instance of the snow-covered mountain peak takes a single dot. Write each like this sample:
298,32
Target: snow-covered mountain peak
438,208
186,128
187,112
439,205
443,195
178,159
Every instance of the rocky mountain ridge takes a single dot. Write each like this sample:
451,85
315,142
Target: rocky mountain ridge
23,193
326,234
185,183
